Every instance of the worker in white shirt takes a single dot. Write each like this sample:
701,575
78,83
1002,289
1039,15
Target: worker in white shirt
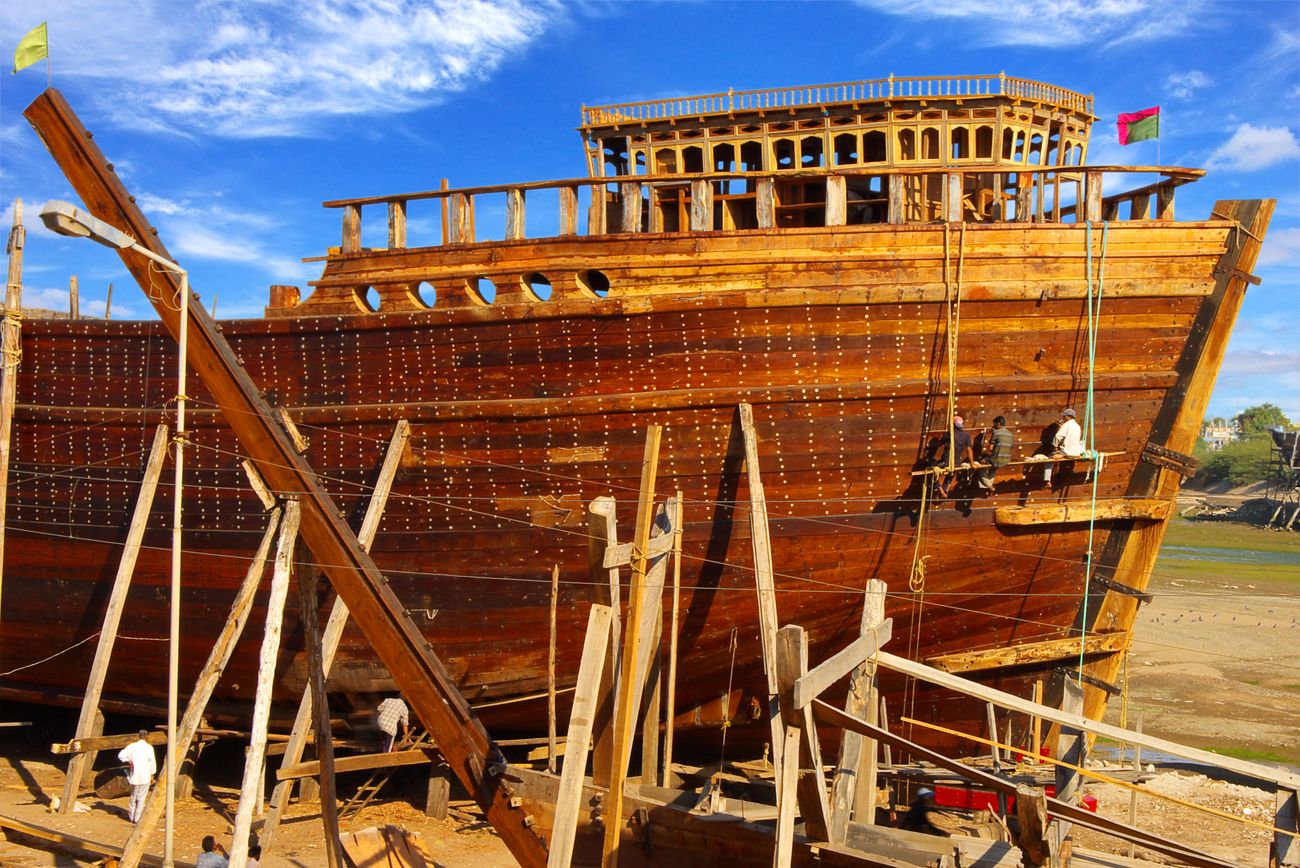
391,712
1068,442
141,767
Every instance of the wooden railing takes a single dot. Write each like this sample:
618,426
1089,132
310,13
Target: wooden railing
632,204
893,87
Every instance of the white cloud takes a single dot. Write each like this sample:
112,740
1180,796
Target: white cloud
283,67
1057,22
1281,247
1185,85
1248,363
1252,147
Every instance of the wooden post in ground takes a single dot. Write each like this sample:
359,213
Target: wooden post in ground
1286,847
853,790
1071,747
333,632
438,795
763,577
310,607
11,334
650,655
78,764
800,754
550,674
602,534
1031,810
1133,796
629,699
248,793
133,849
1038,722
595,659
670,710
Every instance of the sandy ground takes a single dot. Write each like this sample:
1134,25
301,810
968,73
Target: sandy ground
1214,664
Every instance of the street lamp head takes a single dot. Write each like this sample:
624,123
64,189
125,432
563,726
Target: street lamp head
64,218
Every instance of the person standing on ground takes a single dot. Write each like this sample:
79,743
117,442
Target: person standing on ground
995,450
141,767
391,712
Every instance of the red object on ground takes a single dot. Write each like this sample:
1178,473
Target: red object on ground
973,799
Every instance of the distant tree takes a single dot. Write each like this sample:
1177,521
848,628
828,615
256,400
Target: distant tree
1256,421
1240,462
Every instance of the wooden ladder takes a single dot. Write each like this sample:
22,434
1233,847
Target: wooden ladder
414,739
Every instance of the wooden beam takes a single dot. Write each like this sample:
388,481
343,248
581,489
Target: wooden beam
629,699
550,673
953,197
787,797
360,762
11,343
896,213
831,716
670,710
1030,653
1119,508
250,792
397,224
853,789
763,577
1280,777
78,843
836,200
113,615
351,239
595,648
74,298
633,206
1072,748
1165,203
1092,196
1286,847
104,742
1024,197
218,657
515,221
792,664
765,203
310,608
568,210
1031,811
302,728
811,684
701,206
602,533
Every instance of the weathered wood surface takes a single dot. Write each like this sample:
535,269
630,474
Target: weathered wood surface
535,408
1142,509
1048,651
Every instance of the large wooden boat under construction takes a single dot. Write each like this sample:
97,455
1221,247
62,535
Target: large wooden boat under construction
858,262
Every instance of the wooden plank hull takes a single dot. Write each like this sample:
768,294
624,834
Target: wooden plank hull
522,413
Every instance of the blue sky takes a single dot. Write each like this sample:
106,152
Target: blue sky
232,122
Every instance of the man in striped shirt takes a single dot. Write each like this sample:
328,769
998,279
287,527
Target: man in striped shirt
390,713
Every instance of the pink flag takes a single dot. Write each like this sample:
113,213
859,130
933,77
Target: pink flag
1139,126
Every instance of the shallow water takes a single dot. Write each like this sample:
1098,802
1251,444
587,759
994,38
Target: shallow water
1230,556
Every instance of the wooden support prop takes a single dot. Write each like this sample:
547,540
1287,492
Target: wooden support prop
108,302
438,795
258,485
896,213
333,632
1286,846
1030,653
836,200
993,736
1071,747
701,206
633,205
1279,776
1037,744
310,607
831,716
112,617
629,699
792,664
550,674
1165,204
670,709
953,197
765,203
787,797
1140,509
460,232
601,536
858,756
11,343
811,684
1031,811
250,792
300,442
397,224
595,650
515,220
1024,197
74,298
76,842
104,742
763,578
568,210
1133,796
356,763
133,849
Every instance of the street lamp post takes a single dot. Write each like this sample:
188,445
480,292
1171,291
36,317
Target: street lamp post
65,218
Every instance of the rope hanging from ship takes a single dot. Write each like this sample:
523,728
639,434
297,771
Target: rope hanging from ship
1093,310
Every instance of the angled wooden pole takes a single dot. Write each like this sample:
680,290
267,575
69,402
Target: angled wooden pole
763,577
133,849
550,673
11,343
74,298
629,699
78,764
333,632
602,534
854,786
792,663
595,650
310,607
670,710
249,794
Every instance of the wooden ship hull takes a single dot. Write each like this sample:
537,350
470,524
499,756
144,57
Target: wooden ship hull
849,342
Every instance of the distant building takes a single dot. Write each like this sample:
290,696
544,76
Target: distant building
1217,436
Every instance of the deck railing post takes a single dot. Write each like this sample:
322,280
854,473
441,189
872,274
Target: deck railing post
701,206
1092,196
630,193
896,198
569,210
766,203
461,233
397,224
1165,202
515,213
836,206
351,228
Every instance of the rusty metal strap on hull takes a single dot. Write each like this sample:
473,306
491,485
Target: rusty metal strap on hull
1110,583
373,605
1090,680
1179,462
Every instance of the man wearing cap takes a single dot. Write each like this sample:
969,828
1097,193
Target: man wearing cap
918,814
958,454
1068,442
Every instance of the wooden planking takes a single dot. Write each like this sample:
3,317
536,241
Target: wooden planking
358,762
1141,509
1031,653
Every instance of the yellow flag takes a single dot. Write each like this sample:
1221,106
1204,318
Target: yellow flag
35,46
